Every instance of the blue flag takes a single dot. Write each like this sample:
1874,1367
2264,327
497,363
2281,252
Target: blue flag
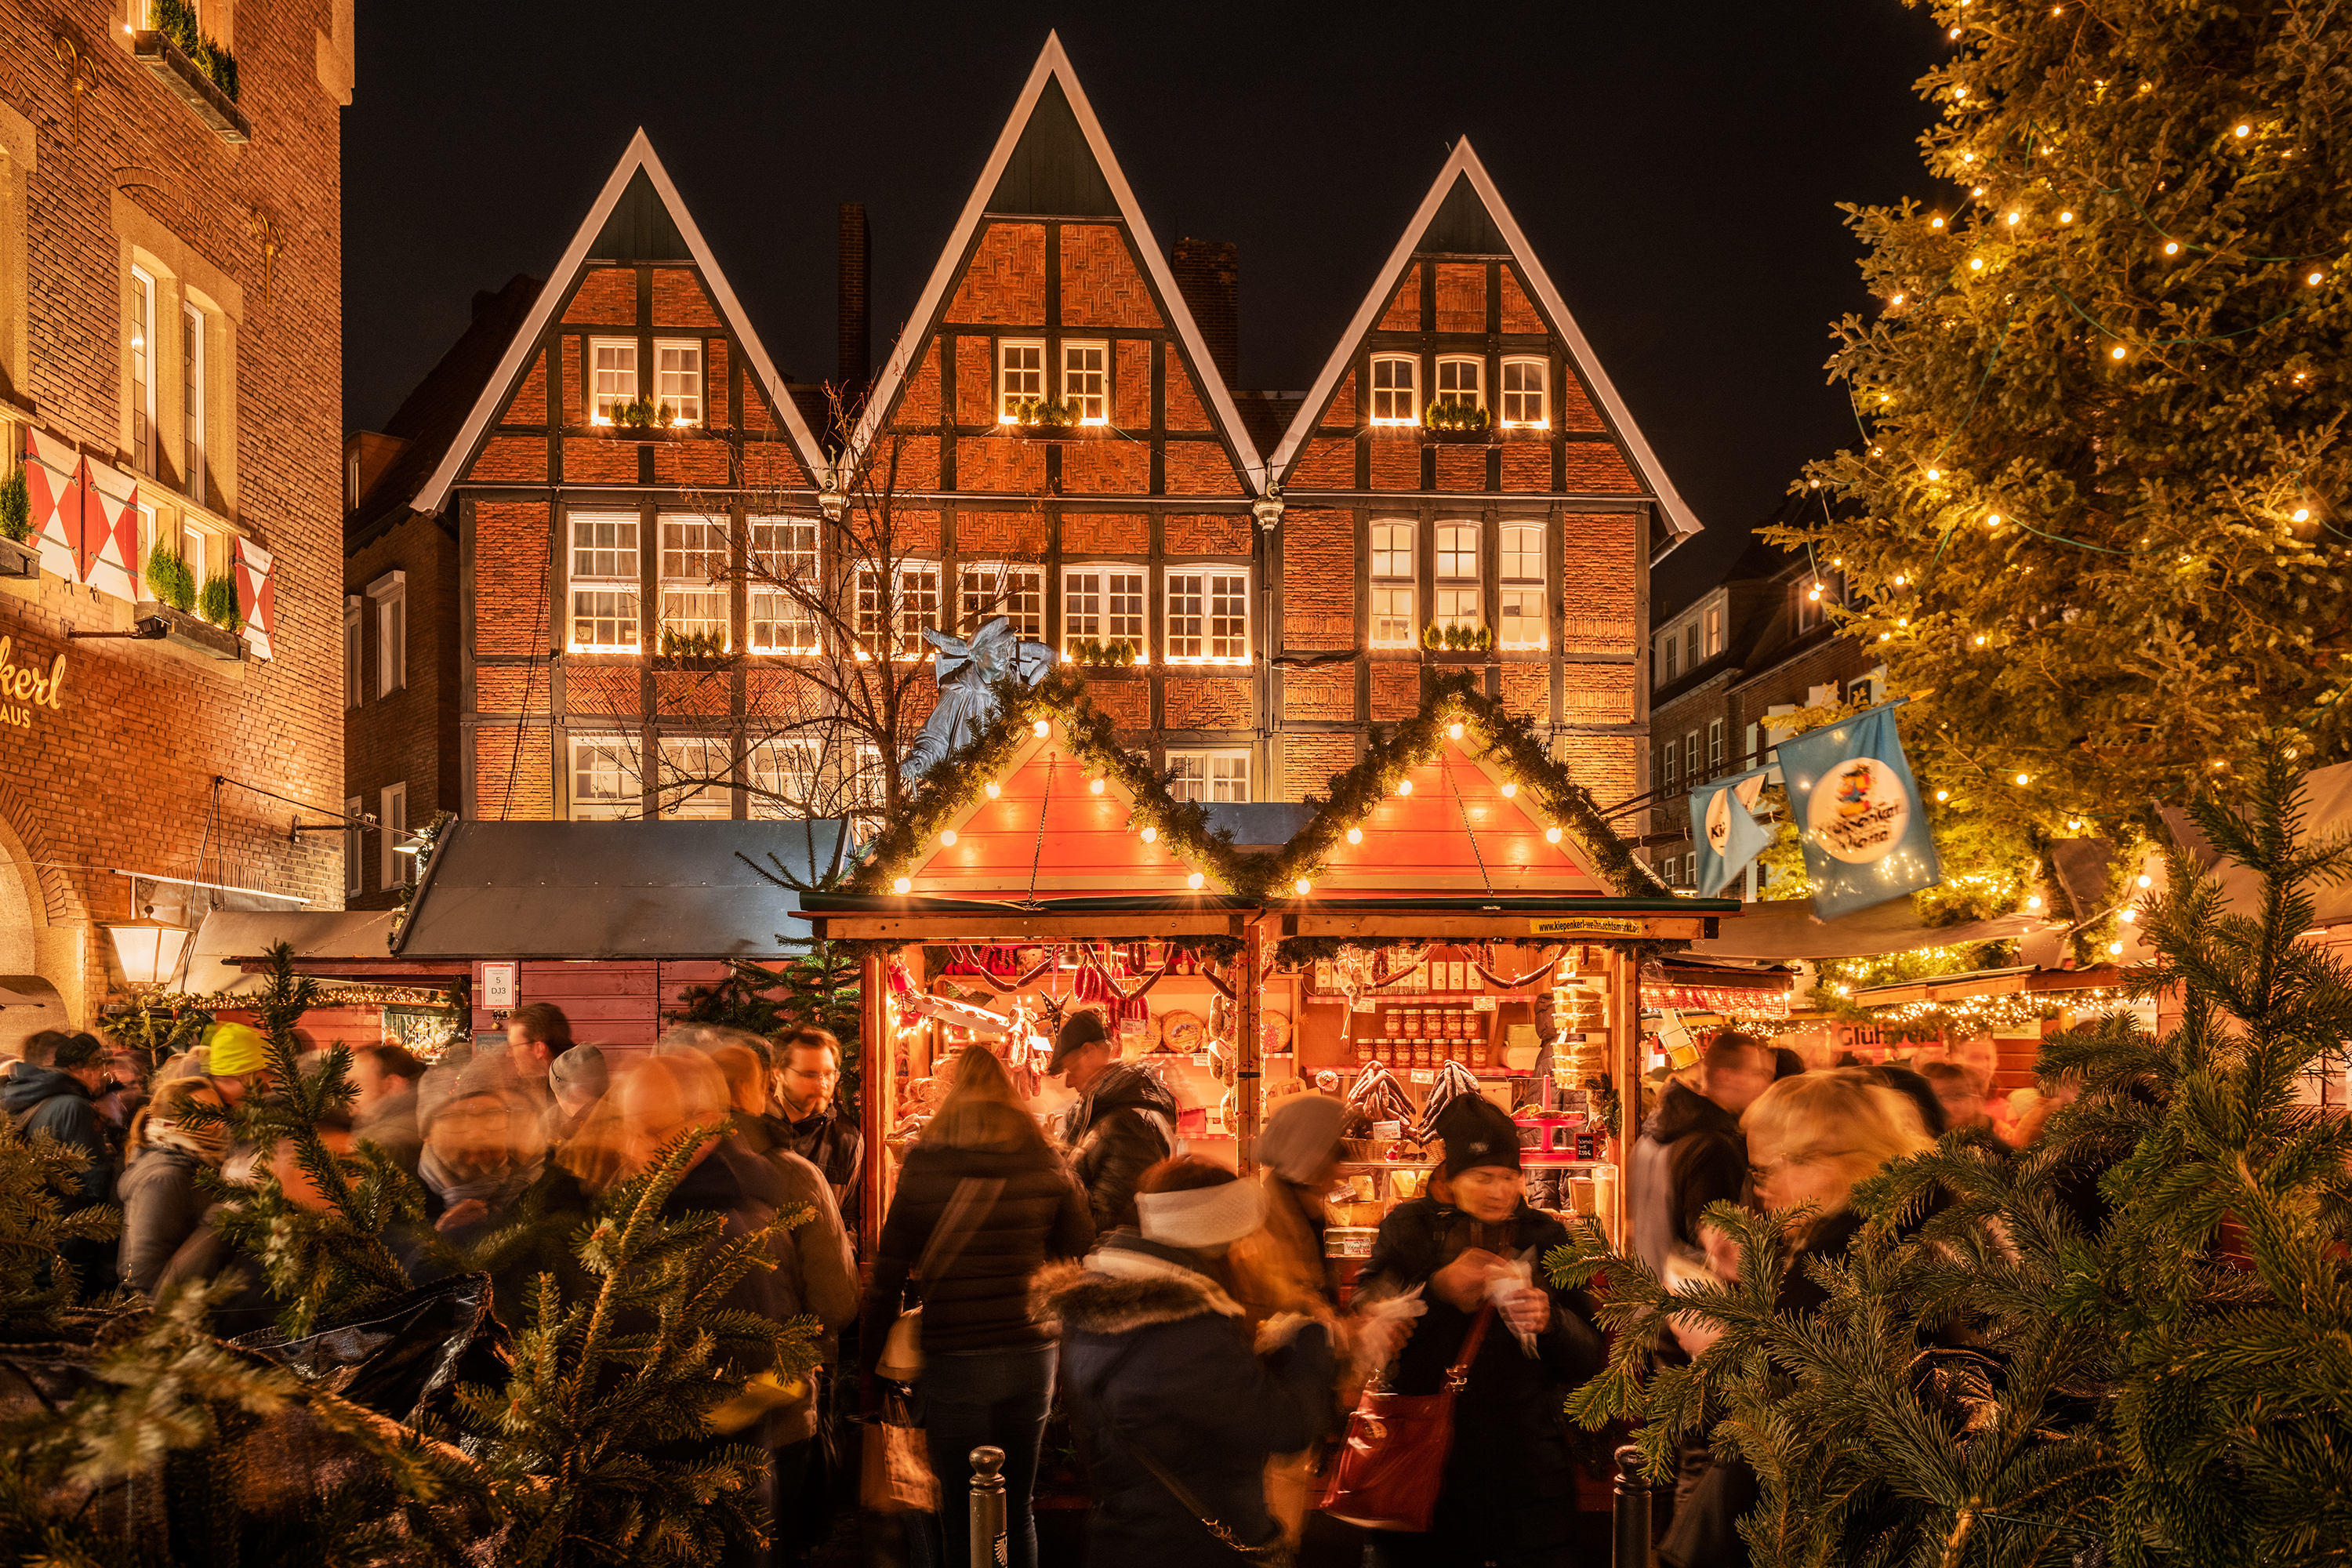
1729,837
1858,813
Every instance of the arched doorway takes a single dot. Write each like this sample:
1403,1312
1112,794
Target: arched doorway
40,963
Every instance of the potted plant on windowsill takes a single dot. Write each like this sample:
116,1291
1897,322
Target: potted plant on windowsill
636,421
1463,423
1048,419
193,67
1119,653
693,650
174,583
1457,639
19,556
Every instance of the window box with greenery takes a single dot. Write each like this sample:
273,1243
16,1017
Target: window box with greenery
1118,654
641,420
19,556
218,632
1050,419
198,71
1463,423
1453,638
693,650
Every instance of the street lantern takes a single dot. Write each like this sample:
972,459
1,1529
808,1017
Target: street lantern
148,949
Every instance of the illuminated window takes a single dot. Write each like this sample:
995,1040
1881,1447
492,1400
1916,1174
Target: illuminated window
697,778
390,592
1456,607
910,603
1391,616
606,779
782,776
1104,605
1520,605
1208,617
612,376
1392,551
1714,630
784,578
1393,575
192,403
605,591
693,579
1461,381
869,794
1457,552
399,870
678,380
1016,592
355,846
1020,377
1526,382
1395,389
1085,381
1208,775
143,378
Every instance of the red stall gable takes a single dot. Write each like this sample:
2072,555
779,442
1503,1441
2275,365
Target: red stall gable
1049,829
1458,834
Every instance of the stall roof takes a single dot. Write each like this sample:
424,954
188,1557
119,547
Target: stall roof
1101,917
614,890
2022,980
229,938
1783,930
2327,808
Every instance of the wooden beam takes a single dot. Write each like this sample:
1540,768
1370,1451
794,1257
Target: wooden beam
418,969
1009,927
1490,928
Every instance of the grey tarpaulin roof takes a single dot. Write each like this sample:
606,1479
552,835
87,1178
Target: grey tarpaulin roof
1782,930
2327,808
236,933
612,889
1259,824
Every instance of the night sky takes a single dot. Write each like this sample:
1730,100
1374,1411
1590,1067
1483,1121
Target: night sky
1676,169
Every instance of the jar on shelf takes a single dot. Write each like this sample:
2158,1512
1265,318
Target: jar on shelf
1412,1023
1392,1023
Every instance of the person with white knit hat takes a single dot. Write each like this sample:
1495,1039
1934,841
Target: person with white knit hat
1175,1405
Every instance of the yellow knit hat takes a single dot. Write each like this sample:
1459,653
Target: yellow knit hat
235,1050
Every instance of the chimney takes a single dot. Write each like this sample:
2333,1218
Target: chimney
856,350
1209,275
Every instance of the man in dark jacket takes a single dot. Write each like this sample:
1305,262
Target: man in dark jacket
808,1071
55,1091
1691,1154
1123,1124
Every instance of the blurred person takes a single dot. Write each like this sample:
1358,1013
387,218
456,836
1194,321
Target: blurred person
1810,1141
59,1096
1123,1122
577,1082
983,1203
662,1098
1964,1106
236,1061
1508,1495
1979,1053
1175,1409
248,1304
1280,1266
162,1204
482,1148
384,1108
1691,1154
1786,1062
808,1071
536,1036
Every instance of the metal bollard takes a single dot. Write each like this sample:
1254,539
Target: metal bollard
1630,1513
988,1543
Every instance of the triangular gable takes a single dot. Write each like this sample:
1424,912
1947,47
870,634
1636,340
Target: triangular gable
639,205
1052,150
1058,824
1462,212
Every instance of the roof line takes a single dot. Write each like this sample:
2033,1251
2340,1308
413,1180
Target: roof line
1464,161
1054,61
639,154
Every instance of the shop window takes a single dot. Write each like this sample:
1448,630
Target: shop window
782,776
783,580
1208,775
1461,381
1085,381
1521,605
1103,605
355,846
1208,617
351,645
1525,388
604,588
1396,398
1020,377
694,568
390,592
392,816
606,779
900,614
192,402
612,376
696,782
1016,592
144,454
678,380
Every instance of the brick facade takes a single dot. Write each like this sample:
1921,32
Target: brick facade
117,769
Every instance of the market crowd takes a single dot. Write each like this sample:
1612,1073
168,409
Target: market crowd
1185,1318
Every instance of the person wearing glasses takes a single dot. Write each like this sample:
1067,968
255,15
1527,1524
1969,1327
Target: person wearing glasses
808,1071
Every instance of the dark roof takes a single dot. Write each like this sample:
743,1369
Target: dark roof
1260,823
641,228
1052,170
1463,225
429,419
613,889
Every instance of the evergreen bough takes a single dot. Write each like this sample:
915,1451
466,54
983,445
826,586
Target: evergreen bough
2132,1342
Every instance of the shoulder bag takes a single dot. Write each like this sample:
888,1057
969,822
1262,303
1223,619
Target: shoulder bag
1391,1462
902,1351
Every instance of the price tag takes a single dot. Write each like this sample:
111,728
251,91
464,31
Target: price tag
1482,1004
1201,1059
1365,1004
1387,1129
1423,1075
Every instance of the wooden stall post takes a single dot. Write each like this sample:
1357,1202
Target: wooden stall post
879,1079
1625,1072
1249,984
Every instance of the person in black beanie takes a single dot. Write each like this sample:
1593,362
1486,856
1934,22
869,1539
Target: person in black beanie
1474,1248
1123,1124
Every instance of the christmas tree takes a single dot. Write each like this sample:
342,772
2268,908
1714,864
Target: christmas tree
2127,1343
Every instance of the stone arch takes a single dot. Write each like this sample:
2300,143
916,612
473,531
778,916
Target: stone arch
44,948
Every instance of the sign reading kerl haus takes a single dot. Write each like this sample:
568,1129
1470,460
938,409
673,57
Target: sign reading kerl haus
24,687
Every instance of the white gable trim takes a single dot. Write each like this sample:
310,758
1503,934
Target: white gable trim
639,155
1053,62
1680,520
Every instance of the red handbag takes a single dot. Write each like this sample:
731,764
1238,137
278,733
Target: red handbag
1392,1461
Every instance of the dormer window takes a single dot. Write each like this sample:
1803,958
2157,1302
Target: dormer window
611,377
1020,377
678,380
1525,388
1085,381
1461,381
1396,389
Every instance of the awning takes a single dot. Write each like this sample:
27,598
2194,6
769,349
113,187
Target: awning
2328,808
229,940
616,890
1785,931
2024,980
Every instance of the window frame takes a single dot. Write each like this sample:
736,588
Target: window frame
392,819
354,655
628,747
1506,393
905,637
1441,393
1515,585
765,805
390,593
598,411
1691,755
193,373
1394,597
700,350
1209,757
1671,652
1714,746
629,585
721,796
1100,396
1027,625
1207,573
1670,760
759,559
1103,614
1006,398
1378,396
1457,596
355,846
145,439
668,585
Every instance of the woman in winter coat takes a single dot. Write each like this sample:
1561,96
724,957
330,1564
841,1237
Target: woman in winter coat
1475,1248
1176,1405
1280,1268
161,1205
982,1201
1810,1141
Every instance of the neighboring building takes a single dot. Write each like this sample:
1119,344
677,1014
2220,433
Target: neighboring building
1275,560
1756,644
170,304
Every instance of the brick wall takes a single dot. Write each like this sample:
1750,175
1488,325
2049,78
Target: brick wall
1309,763
408,735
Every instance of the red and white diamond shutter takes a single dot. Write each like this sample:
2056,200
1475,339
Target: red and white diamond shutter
256,594
56,479
109,551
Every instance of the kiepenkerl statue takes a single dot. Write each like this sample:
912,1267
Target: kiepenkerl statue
968,673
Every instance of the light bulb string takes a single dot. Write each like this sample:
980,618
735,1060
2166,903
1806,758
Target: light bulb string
1445,770
2097,326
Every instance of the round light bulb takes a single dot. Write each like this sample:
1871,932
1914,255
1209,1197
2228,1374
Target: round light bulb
1943,794
2072,823
1981,639
1551,835
2034,901
2022,781
2245,131
1510,788
2115,948
1042,727
994,789
2065,217
903,885
1992,519
1976,264
2013,217
1404,786
1302,887
2303,514
1455,729
1355,836
1196,881
2116,352
2314,278
1095,786
2146,881
1934,473
1151,836
2128,916
1936,223
2171,248
947,836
